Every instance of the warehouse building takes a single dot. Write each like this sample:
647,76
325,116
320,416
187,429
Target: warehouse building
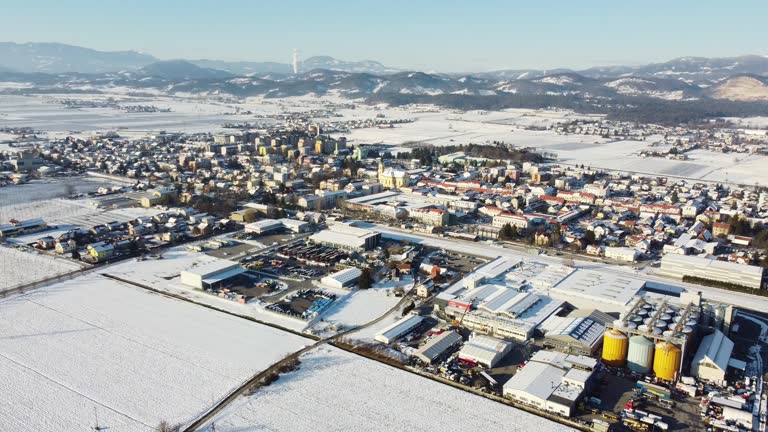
265,226
395,331
347,237
438,346
608,292
485,351
498,326
342,279
713,358
211,274
680,266
575,335
496,300
552,382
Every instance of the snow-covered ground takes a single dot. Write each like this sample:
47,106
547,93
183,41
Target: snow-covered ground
22,267
335,390
92,346
360,307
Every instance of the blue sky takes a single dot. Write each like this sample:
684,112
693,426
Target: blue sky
440,35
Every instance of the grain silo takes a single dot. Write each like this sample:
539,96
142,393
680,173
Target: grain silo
614,348
666,361
640,354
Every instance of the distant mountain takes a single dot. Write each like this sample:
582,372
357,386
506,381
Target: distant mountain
330,63
698,70
61,58
745,88
245,67
182,70
693,70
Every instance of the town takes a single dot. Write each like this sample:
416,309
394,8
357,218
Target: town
596,298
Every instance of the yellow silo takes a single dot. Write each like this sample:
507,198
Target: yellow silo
615,348
666,361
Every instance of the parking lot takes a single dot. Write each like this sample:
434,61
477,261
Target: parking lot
312,253
304,303
615,391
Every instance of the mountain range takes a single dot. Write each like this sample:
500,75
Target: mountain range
78,69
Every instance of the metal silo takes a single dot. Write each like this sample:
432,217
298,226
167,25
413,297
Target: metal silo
614,348
640,354
666,360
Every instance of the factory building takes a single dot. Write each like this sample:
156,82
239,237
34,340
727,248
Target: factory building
395,331
552,382
492,302
607,292
347,237
265,226
651,336
575,335
342,279
680,266
713,358
438,346
484,350
211,274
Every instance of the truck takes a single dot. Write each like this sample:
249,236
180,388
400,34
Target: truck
657,390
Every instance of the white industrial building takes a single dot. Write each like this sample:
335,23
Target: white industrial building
608,292
495,300
679,266
485,350
552,382
712,358
347,237
396,330
265,226
343,278
436,347
207,275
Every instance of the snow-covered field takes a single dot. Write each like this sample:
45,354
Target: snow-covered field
22,267
50,188
92,346
335,390
43,199
360,307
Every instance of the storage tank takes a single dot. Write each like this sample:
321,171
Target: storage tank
666,361
640,354
615,348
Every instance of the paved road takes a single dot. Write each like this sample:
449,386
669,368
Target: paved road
747,301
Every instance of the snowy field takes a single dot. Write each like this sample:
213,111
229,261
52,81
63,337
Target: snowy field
22,267
46,114
50,188
360,307
335,390
44,199
134,357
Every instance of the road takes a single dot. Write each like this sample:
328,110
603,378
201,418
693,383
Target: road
743,300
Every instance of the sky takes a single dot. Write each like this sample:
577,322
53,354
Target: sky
430,35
